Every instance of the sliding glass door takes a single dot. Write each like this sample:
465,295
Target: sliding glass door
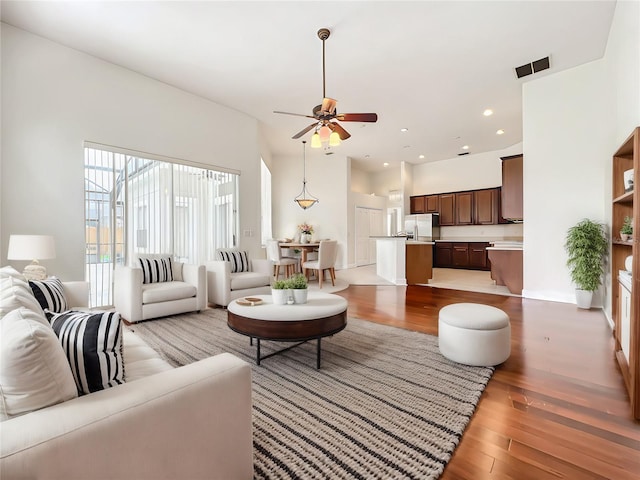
137,205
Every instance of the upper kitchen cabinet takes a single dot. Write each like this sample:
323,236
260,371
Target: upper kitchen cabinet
464,208
416,204
486,206
432,204
425,204
447,209
512,187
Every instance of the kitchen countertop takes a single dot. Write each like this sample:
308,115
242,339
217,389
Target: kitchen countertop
481,239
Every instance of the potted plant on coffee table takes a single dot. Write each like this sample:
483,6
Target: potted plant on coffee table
586,245
280,291
299,288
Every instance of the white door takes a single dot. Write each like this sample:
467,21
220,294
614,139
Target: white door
369,222
362,236
375,229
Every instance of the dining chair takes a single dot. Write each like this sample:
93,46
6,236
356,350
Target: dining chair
327,252
274,254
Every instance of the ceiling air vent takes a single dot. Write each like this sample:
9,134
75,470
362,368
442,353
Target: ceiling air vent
533,67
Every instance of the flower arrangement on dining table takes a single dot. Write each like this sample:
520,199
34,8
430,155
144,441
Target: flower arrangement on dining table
305,228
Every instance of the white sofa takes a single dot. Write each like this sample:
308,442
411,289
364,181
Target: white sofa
224,286
137,301
163,423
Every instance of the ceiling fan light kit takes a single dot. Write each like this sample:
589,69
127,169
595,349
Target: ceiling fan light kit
327,130
304,199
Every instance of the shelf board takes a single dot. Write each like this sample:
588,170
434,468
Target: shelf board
617,241
624,198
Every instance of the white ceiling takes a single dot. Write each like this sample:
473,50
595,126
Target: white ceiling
432,67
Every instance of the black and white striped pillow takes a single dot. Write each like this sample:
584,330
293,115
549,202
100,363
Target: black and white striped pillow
239,260
156,270
92,342
50,294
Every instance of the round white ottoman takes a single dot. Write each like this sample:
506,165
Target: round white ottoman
474,334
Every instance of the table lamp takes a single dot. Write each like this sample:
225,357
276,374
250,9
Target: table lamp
32,247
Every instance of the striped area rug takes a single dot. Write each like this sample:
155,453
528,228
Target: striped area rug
384,405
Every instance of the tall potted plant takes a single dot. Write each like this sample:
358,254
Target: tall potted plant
586,244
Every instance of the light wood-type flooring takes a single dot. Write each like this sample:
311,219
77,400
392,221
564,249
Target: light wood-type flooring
556,409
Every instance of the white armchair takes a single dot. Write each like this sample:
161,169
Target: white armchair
138,301
224,285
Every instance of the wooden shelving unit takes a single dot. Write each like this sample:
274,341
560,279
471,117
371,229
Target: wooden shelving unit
627,157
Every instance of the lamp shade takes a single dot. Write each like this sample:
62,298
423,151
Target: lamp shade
31,247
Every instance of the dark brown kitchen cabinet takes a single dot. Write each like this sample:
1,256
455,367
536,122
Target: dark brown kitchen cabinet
447,209
512,187
464,208
469,255
443,253
416,204
486,206
478,257
432,204
460,255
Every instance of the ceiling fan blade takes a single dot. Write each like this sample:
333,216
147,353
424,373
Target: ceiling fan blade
335,127
295,114
358,117
302,132
329,105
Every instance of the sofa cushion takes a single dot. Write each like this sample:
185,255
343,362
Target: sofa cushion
156,270
15,293
140,360
50,294
167,292
93,344
34,371
239,260
244,280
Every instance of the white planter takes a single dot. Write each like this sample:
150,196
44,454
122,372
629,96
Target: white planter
300,295
583,298
305,238
280,296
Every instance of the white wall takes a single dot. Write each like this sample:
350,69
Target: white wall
573,122
360,180
567,130
54,98
327,179
467,172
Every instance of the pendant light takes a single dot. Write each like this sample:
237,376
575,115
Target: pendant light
304,199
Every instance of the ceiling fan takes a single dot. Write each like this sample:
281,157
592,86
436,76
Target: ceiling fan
325,115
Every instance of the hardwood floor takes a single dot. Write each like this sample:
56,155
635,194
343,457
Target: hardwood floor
557,408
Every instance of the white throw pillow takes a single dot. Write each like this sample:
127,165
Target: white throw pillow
16,293
34,371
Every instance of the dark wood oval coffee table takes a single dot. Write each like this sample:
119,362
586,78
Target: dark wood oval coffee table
323,315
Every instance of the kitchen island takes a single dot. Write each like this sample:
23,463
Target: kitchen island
506,265
404,262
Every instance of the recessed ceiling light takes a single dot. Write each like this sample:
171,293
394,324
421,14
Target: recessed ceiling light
465,147
404,129
385,164
367,156
488,112
500,132
420,156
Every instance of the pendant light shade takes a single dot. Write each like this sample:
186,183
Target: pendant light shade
334,139
315,140
305,199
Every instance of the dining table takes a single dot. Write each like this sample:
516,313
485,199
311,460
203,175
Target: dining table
304,247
